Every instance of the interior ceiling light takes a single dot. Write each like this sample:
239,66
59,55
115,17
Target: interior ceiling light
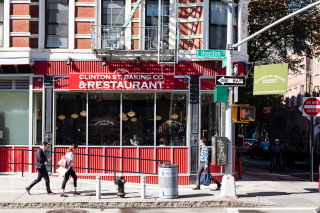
125,118
61,117
134,119
131,113
158,117
83,113
123,115
174,116
74,116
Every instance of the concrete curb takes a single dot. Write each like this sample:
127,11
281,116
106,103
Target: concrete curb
125,205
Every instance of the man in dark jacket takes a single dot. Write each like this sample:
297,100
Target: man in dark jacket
41,167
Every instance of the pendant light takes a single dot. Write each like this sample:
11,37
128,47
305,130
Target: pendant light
61,117
125,118
131,113
83,113
174,116
158,117
74,116
134,119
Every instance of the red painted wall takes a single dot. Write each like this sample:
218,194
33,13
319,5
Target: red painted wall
129,164
5,157
144,165
18,159
180,157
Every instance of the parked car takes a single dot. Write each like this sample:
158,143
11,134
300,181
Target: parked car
259,149
250,141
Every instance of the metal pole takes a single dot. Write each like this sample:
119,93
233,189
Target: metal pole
271,141
143,187
228,183
22,162
276,23
98,188
311,157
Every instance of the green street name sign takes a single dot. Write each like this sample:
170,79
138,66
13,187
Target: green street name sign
224,63
211,53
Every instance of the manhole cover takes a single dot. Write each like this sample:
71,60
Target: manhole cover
67,211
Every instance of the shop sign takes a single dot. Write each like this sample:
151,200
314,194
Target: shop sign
121,80
270,79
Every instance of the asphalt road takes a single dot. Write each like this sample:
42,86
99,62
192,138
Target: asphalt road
260,168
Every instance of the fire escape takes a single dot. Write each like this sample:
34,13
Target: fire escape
160,40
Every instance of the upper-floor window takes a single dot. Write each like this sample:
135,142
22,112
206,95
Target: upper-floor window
152,16
218,24
301,95
1,23
57,23
302,65
290,98
295,99
112,21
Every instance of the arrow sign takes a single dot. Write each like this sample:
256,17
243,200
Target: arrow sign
222,80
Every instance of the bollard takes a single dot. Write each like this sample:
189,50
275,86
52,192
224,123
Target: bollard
98,187
143,187
240,168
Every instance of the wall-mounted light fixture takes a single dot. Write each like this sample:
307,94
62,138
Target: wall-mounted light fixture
138,61
69,61
104,61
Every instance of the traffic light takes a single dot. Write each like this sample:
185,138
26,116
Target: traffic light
243,113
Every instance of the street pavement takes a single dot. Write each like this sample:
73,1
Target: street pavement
287,190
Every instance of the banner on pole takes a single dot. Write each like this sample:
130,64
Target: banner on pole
270,79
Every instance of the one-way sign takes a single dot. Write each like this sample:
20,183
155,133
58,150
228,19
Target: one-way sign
222,80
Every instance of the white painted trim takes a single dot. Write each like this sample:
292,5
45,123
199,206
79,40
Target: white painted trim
25,34
34,36
82,36
34,19
20,17
190,20
20,2
135,20
191,36
198,4
42,22
71,24
34,3
84,19
85,4
6,24
142,24
30,119
134,37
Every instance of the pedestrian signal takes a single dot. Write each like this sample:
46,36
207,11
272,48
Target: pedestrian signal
243,113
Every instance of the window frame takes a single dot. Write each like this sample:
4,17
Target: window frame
235,32
1,23
46,28
290,98
295,99
124,13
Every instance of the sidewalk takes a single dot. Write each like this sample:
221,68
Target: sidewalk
250,192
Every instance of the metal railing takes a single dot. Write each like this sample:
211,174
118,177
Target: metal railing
114,170
110,38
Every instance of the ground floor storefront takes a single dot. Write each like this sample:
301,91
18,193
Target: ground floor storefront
143,111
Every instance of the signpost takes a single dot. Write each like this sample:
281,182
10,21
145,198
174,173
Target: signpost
211,53
224,63
267,109
222,80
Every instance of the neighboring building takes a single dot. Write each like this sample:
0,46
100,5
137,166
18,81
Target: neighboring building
56,60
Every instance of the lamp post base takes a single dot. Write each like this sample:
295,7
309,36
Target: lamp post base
228,187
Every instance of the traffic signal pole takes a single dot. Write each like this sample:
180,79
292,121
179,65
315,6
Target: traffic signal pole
228,184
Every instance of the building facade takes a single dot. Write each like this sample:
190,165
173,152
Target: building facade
118,78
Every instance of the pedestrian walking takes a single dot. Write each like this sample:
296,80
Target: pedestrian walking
204,165
41,167
69,171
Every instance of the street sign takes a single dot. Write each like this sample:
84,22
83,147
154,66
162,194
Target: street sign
224,63
267,109
211,53
311,106
222,80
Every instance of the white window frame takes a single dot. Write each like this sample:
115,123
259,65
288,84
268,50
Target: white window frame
295,99
290,98
301,94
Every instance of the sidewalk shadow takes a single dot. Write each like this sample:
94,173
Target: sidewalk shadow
267,194
196,195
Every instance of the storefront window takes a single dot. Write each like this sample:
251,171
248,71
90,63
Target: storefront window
138,119
172,110
104,119
70,118
210,117
14,118
37,118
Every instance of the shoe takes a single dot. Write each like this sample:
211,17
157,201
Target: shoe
76,193
218,186
28,191
196,188
51,193
63,195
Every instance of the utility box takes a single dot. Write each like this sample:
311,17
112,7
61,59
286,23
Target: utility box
219,151
220,94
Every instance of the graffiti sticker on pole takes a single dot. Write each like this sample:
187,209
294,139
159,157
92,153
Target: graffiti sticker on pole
311,106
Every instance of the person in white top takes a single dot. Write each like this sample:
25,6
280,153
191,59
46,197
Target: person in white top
70,171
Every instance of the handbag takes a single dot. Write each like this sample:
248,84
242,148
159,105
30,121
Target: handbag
205,179
64,162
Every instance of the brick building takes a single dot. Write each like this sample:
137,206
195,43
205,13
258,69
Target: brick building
116,78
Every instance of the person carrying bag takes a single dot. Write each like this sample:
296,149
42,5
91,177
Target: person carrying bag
66,169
